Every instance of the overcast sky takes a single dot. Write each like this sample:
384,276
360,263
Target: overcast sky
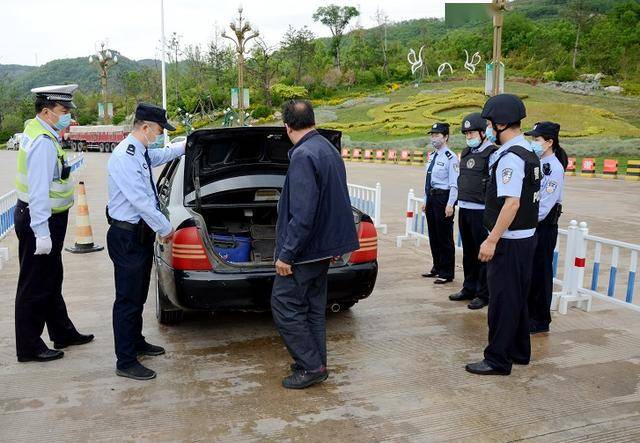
133,26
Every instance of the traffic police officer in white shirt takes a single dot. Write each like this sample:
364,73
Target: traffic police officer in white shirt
472,184
440,195
545,142
134,214
511,217
45,194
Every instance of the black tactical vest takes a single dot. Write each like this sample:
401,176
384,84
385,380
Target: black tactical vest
527,215
474,175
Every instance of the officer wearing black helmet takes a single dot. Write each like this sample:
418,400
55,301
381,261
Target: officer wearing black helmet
511,216
553,161
472,182
440,195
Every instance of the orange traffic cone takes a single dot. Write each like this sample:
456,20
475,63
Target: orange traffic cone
84,234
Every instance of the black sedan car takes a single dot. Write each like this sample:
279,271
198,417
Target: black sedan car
221,198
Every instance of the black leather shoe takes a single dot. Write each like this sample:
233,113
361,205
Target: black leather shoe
484,368
149,349
537,329
461,295
79,339
48,355
478,303
520,362
442,281
304,379
136,372
295,367
430,274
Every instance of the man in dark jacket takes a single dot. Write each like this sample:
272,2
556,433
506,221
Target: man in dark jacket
315,224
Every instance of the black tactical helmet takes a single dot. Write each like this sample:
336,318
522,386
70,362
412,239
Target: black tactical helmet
473,122
504,109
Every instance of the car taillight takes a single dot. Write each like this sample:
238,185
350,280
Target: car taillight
188,252
368,237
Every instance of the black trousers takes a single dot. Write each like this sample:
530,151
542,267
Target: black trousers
541,290
509,279
298,305
132,263
473,233
39,296
440,230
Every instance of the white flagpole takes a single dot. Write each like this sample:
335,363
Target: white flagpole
164,72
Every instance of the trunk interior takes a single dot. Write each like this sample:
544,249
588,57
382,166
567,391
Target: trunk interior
241,225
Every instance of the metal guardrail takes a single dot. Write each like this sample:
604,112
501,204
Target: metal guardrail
369,201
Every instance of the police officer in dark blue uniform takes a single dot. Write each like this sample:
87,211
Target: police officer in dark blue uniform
545,142
511,217
134,214
440,195
472,183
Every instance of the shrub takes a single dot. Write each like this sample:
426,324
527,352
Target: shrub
565,74
282,93
261,111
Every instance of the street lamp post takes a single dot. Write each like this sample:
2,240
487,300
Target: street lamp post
104,59
241,29
499,6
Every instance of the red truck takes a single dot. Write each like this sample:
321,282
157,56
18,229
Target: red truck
103,138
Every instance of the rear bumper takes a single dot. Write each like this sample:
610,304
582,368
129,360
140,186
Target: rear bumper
208,290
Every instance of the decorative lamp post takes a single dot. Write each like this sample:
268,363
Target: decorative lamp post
104,59
243,33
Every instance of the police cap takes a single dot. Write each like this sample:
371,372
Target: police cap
548,130
439,128
153,113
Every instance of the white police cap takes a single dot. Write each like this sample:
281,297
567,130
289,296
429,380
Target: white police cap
62,94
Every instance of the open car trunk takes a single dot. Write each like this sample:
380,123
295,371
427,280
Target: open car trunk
233,180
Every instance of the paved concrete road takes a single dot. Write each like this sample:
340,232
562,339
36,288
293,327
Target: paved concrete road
396,359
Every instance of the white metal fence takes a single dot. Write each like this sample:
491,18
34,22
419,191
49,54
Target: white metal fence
369,201
8,205
584,256
416,223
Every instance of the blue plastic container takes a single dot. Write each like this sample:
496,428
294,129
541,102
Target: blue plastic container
232,248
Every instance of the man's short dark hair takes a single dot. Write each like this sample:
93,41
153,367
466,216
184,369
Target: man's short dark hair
298,114
42,103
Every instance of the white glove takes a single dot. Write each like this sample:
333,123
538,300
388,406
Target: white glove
43,245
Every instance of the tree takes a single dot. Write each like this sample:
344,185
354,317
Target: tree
382,20
263,65
174,52
220,59
299,45
580,13
336,18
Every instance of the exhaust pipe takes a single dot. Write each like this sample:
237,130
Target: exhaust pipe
335,307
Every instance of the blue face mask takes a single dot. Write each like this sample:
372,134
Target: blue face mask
491,135
537,149
64,120
157,143
473,143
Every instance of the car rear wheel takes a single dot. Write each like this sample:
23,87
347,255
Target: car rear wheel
342,306
166,313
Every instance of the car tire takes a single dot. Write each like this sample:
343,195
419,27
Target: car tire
112,147
166,313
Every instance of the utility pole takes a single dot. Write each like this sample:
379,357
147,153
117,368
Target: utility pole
104,60
241,29
499,6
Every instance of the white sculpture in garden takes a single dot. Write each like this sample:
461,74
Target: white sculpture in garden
444,66
470,65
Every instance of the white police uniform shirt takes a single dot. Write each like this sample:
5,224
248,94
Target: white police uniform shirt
473,205
551,185
509,176
444,174
42,169
131,196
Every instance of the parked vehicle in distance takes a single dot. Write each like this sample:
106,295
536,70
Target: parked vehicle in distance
13,144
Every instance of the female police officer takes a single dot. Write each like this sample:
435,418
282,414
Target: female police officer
511,216
440,195
553,162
